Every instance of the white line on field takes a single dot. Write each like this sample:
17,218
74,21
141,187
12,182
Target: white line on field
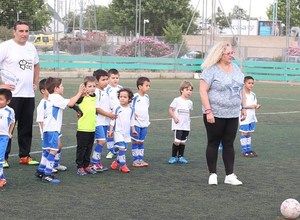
167,119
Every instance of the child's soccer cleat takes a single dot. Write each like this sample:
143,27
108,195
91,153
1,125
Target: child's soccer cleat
136,164
6,165
54,170
109,155
124,169
60,167
90,170
39,174
253,153
81,172
172,160
182,160
50,179
114,165
247,154
143,163
2,182
99,167
28,161
232,180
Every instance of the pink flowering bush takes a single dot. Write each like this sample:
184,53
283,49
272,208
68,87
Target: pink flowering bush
293,51
148,46
73,44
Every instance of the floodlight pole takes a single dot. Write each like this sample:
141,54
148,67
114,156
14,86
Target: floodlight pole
274,17
249,17
145,21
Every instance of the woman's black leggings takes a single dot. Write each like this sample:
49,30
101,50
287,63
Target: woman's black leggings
223,130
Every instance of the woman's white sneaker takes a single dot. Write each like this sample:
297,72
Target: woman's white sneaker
232,180
213,179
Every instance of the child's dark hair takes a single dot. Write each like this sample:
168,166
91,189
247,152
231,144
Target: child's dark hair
99,72
42,84
89,79
6,93
184,85
52,83
247,78
113,72
129,92
140,81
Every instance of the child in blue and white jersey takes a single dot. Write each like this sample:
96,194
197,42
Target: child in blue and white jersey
121,128
247,126
40,114
112,90
180,112
52,126
104,115
140,105
7,123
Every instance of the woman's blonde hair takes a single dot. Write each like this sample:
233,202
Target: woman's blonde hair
215,54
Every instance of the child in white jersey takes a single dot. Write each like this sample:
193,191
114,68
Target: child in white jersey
40,114
104,115
180,112
140,105
7,122
247,126
112,90
52,126
121,127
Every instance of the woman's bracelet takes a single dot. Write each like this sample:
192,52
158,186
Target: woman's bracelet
207,111
244,107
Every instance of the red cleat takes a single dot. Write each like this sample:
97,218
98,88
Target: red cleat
124,169
114,165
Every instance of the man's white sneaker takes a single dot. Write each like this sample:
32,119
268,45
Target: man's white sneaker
232,180
213,179
61,168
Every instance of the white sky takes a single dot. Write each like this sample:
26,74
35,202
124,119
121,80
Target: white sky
258,7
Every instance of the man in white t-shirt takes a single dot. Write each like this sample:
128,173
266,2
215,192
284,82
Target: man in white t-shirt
20,57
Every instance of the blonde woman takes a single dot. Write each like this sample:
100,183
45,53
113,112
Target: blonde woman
221,92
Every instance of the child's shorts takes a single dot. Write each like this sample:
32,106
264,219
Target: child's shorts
142,133
248,127
101,133
3,145
121,144
181,136
50,140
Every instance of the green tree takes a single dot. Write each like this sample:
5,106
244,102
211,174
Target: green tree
157,12
221,20
173,36
173,33
72,21
238,13
5,33
34,12
105,20
281,12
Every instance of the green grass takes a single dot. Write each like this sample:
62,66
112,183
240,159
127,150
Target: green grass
164,191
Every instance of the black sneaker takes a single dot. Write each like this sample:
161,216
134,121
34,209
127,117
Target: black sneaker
39,174
247,154
253,153
50,179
